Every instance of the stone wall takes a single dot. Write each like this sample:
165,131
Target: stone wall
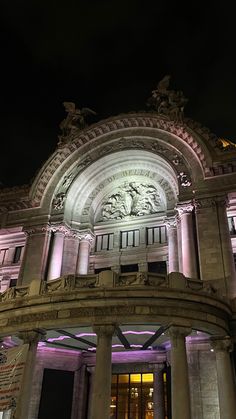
53,359
203,382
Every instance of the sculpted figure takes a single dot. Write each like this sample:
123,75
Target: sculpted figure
74,121
168,102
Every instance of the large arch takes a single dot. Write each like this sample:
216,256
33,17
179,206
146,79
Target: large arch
177,144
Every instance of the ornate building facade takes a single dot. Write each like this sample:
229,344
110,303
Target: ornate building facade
117,268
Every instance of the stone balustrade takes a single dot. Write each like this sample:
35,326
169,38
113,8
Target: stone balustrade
110,279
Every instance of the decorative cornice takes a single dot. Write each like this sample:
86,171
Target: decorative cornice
211,202
37,229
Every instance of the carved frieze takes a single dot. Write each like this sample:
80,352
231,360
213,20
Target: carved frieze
33,317
131,199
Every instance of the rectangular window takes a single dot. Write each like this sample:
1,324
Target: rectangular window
156,235
232,225
104,242
129,268
157,267
3,256
130,239
17,254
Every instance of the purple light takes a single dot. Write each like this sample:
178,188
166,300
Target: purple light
80,335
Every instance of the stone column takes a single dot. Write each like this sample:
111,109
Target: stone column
86,241
189,259
226,386
173,257
55,262
102,377
70,253
215,248
23,404
179,241
226,246
90,396
158,392
35,257
180,394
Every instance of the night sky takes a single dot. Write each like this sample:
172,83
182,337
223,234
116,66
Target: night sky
108,56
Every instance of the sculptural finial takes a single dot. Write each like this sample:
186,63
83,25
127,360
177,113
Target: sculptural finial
74,121
168,102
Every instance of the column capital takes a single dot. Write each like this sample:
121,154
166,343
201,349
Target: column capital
36,229
221,201
104,329
178,332
86,236
222,344
171,222
70,233
184,208
59,228
32,336
158,367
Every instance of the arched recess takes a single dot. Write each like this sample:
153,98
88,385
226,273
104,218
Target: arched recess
122,186
177,144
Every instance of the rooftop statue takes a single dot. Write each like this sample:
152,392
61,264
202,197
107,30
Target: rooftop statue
74,121
168,102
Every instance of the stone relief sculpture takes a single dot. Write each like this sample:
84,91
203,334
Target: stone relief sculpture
58,201
168,102
74,121
184,180
131,200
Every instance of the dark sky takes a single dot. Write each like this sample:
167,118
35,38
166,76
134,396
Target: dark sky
107,55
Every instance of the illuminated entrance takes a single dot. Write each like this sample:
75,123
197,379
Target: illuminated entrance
132,396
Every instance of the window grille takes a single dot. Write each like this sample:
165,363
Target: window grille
104,242
130,239
156,235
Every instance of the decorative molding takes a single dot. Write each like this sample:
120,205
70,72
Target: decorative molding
37,229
